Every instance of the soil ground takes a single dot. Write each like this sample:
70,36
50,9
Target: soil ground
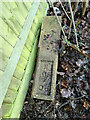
72,98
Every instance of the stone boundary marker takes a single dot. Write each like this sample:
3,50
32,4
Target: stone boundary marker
44,86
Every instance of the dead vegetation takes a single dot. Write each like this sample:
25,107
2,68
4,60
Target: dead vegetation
72,98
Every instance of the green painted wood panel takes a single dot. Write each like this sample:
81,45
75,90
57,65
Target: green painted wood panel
11,26
15,24
9,14
11,19
15,112
25,83
5,12
23,88
7,33
15,12
10,4
6,109
10,96
19,72
27,5
3,61
25,53
18,6
34,28
11,66
30,40
1,72
5,47
36,21
22,62
15,84
22,9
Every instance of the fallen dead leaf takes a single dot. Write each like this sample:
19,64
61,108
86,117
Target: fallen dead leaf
86,105
64,83
66,93
60,73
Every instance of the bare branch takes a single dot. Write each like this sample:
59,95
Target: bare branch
59,22
64,10
73,24
76,5
84,7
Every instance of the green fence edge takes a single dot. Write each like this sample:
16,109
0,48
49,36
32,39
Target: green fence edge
25,82
24,86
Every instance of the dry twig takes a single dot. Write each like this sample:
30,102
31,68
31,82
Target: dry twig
63,105
73,23
75,48
76,5
84,7
64,10
78,98
69,44
59,22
